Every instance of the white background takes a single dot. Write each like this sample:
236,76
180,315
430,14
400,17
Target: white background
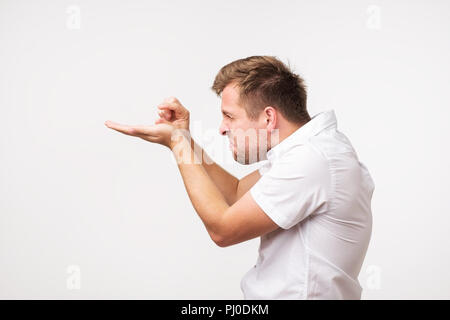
73,192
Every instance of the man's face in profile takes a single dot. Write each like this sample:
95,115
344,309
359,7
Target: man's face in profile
248,138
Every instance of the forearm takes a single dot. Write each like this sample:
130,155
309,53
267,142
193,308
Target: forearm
224,181
207,200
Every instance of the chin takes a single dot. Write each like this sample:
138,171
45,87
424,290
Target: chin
240,160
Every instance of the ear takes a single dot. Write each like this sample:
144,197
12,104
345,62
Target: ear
270,118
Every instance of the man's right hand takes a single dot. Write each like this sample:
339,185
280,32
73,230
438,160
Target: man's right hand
171,111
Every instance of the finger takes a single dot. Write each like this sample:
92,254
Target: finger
172,112
168,107
171,100
126,129
172,104
129,130
165,114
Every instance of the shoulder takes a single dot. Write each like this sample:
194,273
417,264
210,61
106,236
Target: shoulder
302,162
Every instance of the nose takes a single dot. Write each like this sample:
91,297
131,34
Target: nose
223,129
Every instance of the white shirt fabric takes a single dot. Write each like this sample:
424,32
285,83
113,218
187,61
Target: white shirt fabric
314,187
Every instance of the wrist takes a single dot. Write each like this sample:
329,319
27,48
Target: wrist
179,136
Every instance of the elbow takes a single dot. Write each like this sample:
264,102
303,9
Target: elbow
223,244
220,240
221,234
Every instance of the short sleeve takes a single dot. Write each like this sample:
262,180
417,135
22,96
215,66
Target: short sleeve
264,168
296,185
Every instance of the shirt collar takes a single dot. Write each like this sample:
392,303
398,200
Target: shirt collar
318,122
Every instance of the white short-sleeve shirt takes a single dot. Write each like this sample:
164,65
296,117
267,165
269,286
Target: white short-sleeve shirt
314,187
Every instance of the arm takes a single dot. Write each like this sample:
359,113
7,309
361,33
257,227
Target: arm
225,224
224,181
231,187
246,183
172,112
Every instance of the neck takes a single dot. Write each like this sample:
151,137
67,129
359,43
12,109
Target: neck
285,129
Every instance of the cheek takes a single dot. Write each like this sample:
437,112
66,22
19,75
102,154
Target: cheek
246,142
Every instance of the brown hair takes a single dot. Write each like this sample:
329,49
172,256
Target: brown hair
264,81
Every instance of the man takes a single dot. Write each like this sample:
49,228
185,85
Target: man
310,203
